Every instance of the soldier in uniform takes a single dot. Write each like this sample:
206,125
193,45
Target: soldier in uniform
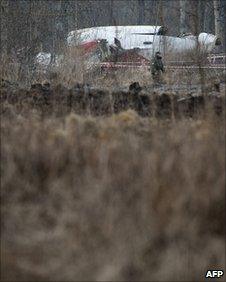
157,68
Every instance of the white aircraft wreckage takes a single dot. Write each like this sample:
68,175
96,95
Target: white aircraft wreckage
147,39
131,44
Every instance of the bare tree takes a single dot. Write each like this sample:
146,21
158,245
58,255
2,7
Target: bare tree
216,7
111,10
4,25
182,16
141,16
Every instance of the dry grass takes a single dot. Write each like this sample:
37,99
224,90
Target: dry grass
77,67
117,198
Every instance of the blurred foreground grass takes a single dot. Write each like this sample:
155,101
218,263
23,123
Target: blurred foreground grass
117,198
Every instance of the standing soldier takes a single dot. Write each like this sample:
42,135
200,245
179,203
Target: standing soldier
157,68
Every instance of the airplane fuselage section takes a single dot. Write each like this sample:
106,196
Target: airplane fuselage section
148,39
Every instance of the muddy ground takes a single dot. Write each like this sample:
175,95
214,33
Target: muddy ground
159,101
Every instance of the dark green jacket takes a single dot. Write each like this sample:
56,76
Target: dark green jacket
157,65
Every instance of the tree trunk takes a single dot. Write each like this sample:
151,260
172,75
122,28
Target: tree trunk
182,16
111,8
4,27
217,21
224,24
205,18
141,8
201,14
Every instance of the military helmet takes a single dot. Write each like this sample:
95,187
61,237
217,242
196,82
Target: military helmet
158,55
